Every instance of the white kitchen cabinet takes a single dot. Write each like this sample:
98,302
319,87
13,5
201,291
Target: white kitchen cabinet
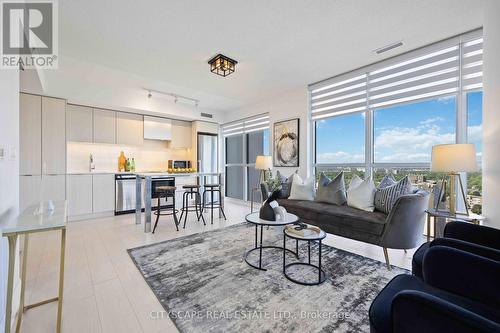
156,128
181,134
79,123
129,129
30,134
103,190
79,194
29,191
53,187
53,136
104,126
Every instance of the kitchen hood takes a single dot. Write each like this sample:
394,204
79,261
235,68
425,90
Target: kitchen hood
156,128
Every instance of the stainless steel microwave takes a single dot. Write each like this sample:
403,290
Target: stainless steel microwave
179,164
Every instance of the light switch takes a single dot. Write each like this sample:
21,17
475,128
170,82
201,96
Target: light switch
2,153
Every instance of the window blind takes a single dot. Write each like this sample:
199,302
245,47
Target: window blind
440,69
247,125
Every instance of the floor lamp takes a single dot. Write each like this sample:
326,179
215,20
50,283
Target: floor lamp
453,159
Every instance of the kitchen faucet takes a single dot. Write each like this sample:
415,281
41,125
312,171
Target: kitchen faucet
91,163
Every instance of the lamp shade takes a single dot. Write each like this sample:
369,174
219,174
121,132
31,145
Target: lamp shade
454,158
263,162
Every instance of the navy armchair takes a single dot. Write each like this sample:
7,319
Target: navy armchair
477,239
458,293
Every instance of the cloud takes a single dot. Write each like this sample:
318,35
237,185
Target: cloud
402,144
340,157
431,120
474,133
446,99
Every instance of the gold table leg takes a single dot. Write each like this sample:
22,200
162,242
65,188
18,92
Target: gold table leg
61,280
10,281
23,283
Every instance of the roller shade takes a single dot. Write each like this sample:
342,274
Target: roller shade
440,69
247,125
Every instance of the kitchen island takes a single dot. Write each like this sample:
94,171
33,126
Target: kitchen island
147,178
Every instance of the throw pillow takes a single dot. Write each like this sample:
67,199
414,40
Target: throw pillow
302,189
286,184
361,194
386,197
331,191
388,180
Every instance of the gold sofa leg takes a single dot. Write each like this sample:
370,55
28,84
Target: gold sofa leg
386,255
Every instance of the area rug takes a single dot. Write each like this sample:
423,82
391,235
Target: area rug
204,284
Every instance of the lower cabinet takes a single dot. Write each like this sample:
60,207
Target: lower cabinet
79,195
103,193
90,194
53,187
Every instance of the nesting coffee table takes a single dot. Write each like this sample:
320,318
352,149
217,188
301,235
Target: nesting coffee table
258,222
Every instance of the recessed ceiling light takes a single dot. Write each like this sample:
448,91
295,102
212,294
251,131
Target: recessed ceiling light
388,47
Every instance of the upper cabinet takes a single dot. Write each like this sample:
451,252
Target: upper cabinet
30,133
181,134
79,123
53,136
129,129
104,126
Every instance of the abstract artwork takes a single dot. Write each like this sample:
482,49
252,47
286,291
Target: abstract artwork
286,143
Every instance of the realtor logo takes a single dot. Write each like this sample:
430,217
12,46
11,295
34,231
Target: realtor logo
29,34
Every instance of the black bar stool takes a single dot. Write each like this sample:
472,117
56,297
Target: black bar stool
212,188
166,192
191,190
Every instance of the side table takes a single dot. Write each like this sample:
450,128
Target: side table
37,218
310,237
471,218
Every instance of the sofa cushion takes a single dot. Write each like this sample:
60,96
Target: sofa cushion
331,191
302,189
286,184
361,194
386,197
341,220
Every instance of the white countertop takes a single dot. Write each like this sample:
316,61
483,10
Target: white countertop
148,173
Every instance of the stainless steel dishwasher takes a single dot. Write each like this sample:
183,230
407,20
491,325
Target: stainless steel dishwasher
125,192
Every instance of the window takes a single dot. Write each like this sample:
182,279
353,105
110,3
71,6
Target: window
385,117
406,133
474,135
244,141
341,140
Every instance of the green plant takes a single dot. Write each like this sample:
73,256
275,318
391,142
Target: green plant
273,183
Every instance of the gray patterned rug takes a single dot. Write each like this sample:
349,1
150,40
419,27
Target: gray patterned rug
205,285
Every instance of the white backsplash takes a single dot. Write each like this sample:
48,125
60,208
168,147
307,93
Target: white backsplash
152,156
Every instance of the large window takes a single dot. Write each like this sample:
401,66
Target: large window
474,135
406,133
244,141
386,117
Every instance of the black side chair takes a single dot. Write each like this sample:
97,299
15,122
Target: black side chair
212,189
477,239
166,192
191,191
458,294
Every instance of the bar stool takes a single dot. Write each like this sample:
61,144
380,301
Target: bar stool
191,190
212,188
166,192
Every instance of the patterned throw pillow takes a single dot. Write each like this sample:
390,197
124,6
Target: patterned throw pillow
386,197
286,184
331,191
388,180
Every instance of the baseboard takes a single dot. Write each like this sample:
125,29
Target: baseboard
91,216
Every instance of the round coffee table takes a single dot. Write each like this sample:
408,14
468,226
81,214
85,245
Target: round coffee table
308,238
254,219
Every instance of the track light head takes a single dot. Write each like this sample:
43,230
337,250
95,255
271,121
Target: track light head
149,94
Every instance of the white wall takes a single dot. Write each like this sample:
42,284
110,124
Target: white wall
9,173
491,113
292,104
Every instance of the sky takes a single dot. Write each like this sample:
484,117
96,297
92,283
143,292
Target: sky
402,133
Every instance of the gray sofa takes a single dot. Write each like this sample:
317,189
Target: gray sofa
402,228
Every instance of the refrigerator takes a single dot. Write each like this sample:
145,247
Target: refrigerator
208,156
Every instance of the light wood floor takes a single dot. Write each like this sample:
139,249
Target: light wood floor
104,292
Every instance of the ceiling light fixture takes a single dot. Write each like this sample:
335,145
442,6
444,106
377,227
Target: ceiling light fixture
388,47
176,97
222,65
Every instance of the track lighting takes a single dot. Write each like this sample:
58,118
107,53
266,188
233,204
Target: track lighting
149,94
176,97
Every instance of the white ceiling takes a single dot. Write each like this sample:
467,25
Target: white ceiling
279,45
